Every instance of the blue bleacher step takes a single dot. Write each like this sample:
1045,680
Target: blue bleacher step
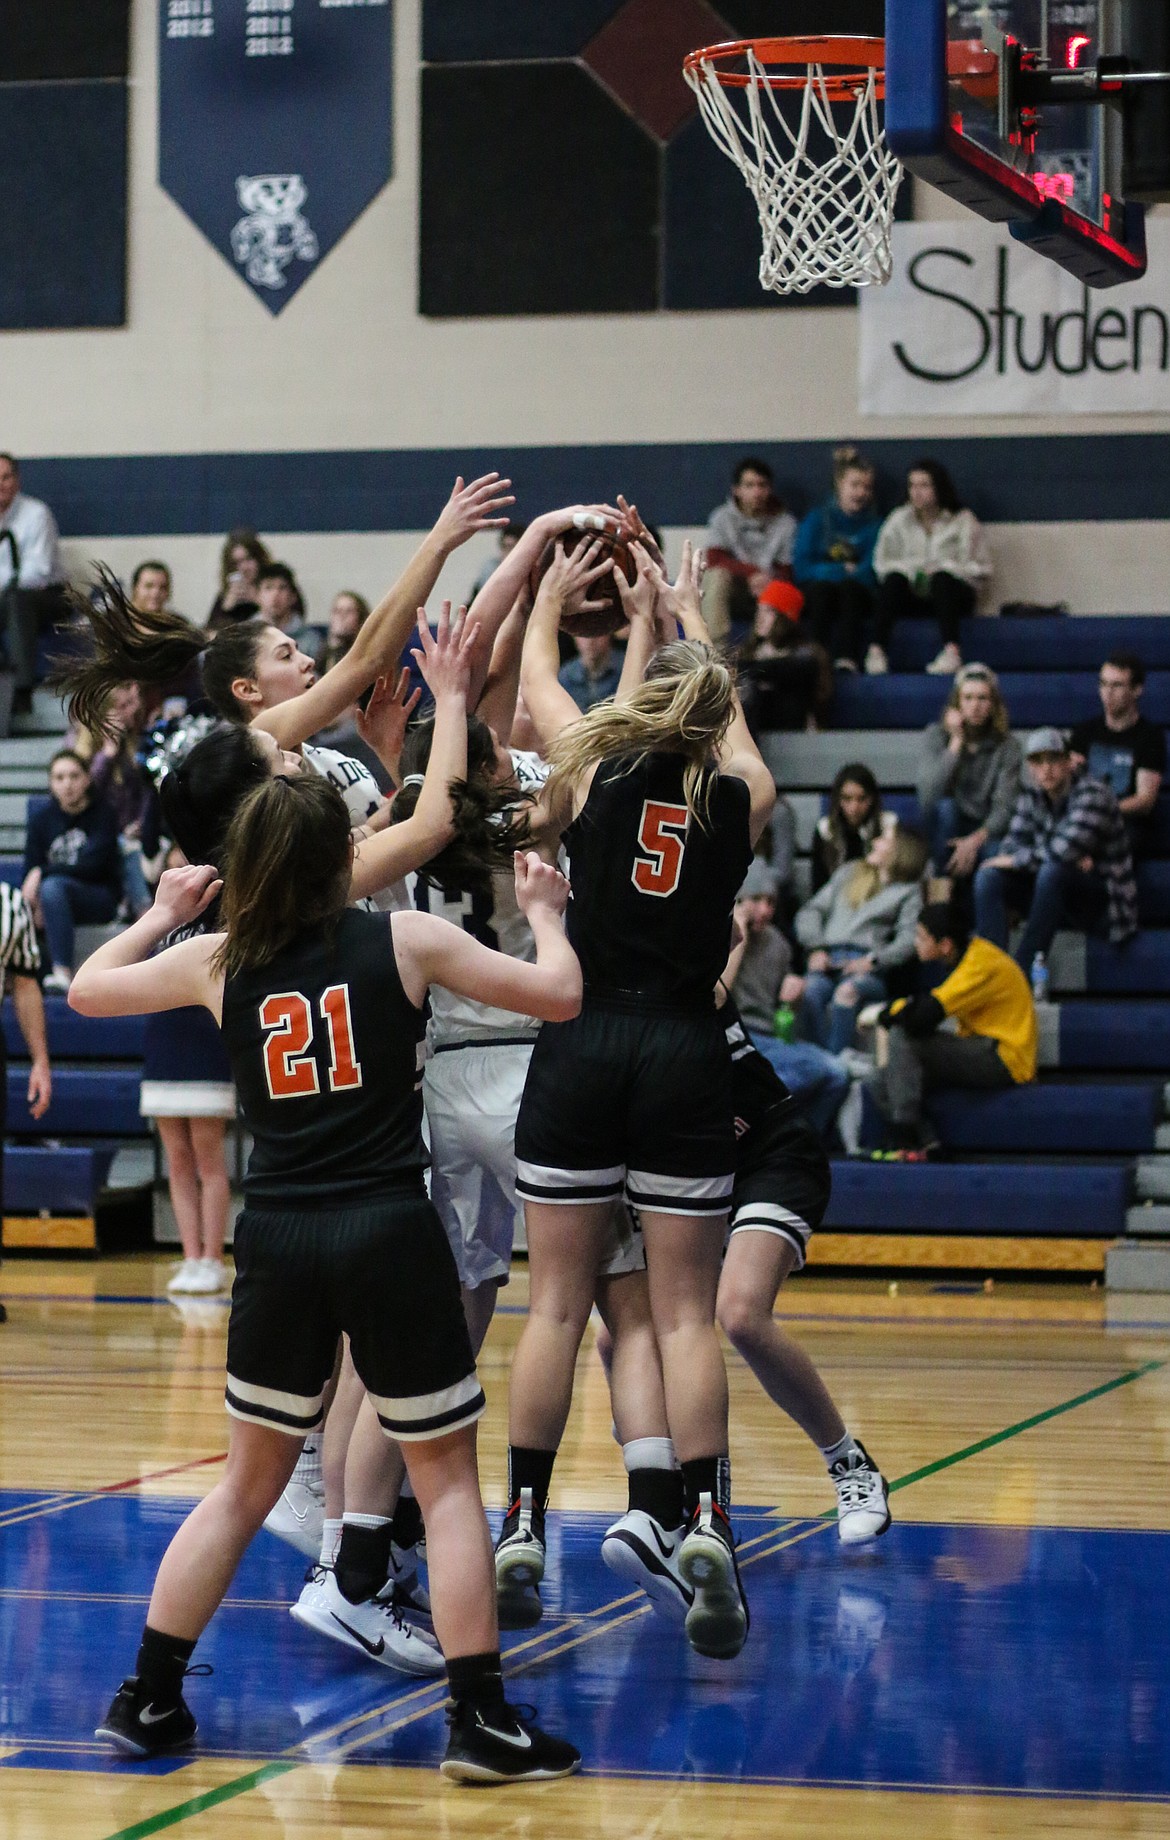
94,1101
1026,1200
1081,1117
80,1038
1091,1117
63,1179
1110,1035
911,701
1076,643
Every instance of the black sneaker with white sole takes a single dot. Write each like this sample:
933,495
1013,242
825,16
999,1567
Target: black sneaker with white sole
503,1744
638,1549
520,1564
718,1620
138,1727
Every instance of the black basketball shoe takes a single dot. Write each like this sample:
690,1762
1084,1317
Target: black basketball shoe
503,1744
520,1564
137,1727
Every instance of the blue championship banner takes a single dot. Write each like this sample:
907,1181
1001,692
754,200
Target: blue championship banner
274,127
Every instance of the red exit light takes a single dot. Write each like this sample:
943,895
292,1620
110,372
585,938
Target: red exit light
1075,49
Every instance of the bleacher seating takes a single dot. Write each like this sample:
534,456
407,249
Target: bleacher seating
1052,1167
1056,1161
56,1169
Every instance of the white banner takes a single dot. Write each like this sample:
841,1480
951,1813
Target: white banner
974,323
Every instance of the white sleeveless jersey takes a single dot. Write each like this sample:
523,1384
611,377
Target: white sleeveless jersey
493,918
359,789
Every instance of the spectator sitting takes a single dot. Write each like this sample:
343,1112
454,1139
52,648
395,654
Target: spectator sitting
968,773
749,542
833,563
1065,860
759,977
986,993
594,674
30,578
931,555
241,560
507,540
779,849
347,616
283,605
1124,749
117,774
72,861
857,929
854,818
150,592
785,679
151,587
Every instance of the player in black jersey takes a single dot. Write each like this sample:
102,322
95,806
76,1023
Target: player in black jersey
782,1186
322,1012
663,795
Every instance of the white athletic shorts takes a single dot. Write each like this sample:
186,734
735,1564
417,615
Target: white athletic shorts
472,1094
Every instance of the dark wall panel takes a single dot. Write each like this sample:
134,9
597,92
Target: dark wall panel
63,193
479,31
538,195
42,40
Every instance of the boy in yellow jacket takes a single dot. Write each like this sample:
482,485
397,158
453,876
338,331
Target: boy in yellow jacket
987,995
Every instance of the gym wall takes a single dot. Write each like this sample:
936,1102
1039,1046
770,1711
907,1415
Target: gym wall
336,427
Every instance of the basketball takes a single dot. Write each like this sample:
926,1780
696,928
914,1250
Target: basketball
611,616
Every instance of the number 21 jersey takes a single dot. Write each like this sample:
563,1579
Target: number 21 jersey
326,1053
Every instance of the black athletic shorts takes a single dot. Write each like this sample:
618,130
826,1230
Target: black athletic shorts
782,1183
384,1274
624,1100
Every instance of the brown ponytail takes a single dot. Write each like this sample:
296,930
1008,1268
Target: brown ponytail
128,646
286,868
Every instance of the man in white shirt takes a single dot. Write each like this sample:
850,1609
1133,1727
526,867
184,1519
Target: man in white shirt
30,569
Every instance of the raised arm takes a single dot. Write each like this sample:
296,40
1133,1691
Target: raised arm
497,701
444,658
380,642
432,951
495,600
739,754
122,979
565,588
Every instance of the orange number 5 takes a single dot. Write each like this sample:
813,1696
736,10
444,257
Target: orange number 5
662,836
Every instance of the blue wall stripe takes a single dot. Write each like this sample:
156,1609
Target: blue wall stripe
1016,479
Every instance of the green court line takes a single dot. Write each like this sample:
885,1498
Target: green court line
242,1785
1026,1424
211,1798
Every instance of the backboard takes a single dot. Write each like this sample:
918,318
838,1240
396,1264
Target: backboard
1013,108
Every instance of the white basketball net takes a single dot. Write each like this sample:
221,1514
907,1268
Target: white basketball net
826,222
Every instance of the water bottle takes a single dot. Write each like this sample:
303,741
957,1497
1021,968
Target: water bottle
1039,979
784,1023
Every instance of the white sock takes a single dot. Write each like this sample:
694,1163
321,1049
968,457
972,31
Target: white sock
330,1541
372,1521
308,1468
648,1453
844,1447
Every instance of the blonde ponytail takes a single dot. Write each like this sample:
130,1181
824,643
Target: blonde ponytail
685,706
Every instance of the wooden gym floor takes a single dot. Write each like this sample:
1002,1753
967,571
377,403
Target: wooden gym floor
997,1665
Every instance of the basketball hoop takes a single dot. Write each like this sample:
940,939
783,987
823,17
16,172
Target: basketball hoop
824,181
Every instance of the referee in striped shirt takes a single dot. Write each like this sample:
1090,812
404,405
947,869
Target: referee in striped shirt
21,961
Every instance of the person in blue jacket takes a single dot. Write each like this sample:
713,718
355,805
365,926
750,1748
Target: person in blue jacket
72,861
833,564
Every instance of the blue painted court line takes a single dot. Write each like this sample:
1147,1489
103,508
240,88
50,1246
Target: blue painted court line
995,1659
